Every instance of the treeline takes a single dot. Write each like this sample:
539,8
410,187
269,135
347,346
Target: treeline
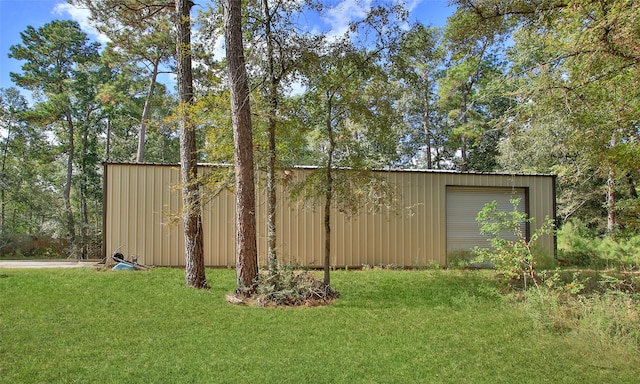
505,86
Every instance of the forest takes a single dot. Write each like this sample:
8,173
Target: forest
509,86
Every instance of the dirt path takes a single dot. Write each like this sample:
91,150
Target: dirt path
47,263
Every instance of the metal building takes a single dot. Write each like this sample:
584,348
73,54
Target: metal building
433,216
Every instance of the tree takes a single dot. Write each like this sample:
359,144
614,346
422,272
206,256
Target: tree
277,70
577,63
140,42
273,48
89,115
465,92
352,115
55,54
122,107
416,63
12,105
28,204
192,219
246,246
347,112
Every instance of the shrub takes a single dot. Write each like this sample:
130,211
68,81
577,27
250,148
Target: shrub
575,245
578,246
23,246
514,259
620,253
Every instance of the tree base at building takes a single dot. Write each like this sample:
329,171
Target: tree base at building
287,288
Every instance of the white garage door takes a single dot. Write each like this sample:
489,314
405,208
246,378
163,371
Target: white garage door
463,205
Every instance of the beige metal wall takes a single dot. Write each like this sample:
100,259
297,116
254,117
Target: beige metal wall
141,200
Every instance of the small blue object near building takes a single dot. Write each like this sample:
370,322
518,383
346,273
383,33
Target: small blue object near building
123,267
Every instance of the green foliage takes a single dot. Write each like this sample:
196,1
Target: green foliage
354,191
416,65
620,253
515,258
22,246
53,54
580,246
575,97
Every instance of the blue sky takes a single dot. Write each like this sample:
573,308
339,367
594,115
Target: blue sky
16,15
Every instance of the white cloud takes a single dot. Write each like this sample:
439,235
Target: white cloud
81,15
411,5
339,17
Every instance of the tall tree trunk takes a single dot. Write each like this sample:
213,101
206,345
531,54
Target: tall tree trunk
611,196
611,202
108,144
3,222
84,215
142,137
246,247
3,188
465,120
192,219
427,115
328,193
271,154
84,227
67,187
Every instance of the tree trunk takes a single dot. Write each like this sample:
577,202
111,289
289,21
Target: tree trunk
271,154
107,150
5,154
142,137
84,215
427,113
246,247
611,196
3,223
611,202
328,194
465,120
192,219
67,187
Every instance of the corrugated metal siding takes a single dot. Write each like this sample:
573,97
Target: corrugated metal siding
141,199
463,205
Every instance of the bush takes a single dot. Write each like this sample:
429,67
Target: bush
24,246
622,254
514,259
577,246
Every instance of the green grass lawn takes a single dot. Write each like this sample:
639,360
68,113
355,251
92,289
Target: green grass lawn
88,326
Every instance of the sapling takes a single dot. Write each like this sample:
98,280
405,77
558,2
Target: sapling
514,258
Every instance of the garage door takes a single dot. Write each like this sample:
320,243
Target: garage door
463,205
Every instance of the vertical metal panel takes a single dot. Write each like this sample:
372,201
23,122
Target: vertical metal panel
141,200
463,205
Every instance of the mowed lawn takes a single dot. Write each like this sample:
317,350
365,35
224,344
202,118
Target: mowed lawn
90,326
